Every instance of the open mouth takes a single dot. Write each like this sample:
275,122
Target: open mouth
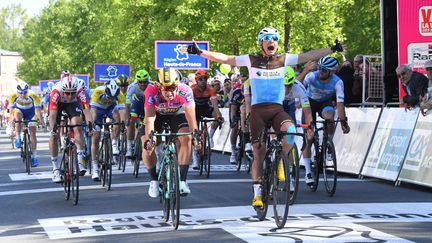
270,48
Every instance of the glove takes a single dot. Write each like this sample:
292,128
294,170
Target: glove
194,49
337,46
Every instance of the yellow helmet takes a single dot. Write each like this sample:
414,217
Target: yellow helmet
168,76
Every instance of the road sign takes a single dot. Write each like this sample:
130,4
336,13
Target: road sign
168,54
105,72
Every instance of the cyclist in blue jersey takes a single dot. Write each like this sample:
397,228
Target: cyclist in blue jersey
323,86
266,74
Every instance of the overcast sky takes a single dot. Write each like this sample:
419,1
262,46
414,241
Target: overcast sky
33,7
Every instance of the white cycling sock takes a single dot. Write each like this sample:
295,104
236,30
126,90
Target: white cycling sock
307,163
233,148
34,154
257,190
55,163
80,155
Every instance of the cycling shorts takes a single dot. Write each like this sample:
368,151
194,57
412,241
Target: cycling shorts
261,114
203,111
27,114
321,107
71,109
175,121
100,113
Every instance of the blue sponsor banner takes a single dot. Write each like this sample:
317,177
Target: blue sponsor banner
43,84
168,54
104,72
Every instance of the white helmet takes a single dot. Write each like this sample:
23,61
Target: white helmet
22,87
81,83
112,90
69,84
267,31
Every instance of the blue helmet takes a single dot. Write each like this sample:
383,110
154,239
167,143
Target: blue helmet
328,62
50,86
267,31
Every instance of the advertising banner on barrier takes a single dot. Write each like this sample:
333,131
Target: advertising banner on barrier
351,148
390,143
417,167
221,136
43,84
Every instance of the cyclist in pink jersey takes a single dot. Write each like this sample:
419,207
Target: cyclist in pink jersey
172,102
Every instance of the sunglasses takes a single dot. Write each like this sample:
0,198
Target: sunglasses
267,38
324,70
22,92
202,79
142,82
69,93
171,88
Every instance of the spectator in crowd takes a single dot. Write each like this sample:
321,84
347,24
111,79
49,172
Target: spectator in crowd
360,64
413,83
426,103
226,92
346,73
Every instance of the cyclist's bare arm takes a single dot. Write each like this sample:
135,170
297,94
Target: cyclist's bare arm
248,104
309,65
150,117
219,57
52,119
215,105
341,110
93,113
313,55
39,114
88,115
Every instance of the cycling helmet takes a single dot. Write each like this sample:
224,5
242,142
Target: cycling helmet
64,73
50,86
81,83
142,75
168,76
69,84
328,62
112,90
122,80
267,31
201,73
290,76
22,87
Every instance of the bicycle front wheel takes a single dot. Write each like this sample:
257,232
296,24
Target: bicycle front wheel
330,168
281,189
64,167
295,173
108,163
165,192
240,152
123,144
207,155
27,152
315,161
137,157
174,183
74,174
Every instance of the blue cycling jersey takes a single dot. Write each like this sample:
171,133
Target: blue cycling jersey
320,91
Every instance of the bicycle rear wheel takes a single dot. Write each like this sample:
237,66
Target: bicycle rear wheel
315,161
330,168
174,183
74,174
266,190
295,173
137,156
281,189
101,161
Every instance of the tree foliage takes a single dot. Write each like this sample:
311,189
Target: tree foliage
75,34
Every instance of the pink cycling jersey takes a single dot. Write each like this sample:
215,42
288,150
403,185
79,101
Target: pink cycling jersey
154,98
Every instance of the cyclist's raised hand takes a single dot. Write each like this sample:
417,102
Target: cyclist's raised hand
191,49
337,46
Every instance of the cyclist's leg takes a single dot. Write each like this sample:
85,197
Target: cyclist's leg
199,112
245,128
32,131
179,123
74,112
53,145
115,115
18,116
328,113
315,108
260,114
150,160
97,115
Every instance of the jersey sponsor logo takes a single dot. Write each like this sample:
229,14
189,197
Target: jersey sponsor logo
189,97
151,100
55,98
269,73
82,97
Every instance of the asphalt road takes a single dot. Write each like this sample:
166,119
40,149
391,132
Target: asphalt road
33,208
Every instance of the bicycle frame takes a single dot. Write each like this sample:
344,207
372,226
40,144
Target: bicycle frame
26,147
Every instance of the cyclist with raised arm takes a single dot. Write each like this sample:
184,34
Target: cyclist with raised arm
24,104
135,105
66,97
206,105
323,86
266,73
172,102
105,102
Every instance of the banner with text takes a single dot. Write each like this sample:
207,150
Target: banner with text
390,143
351,148
417,167
43,84
104,72
168,54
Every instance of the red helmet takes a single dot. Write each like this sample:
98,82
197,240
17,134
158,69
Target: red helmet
201,73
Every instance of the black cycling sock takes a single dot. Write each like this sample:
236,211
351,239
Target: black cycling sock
183,172
153,174
247,137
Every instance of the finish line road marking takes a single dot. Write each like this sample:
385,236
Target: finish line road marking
317,222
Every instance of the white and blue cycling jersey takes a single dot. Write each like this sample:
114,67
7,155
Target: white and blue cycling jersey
134,93
266,76
298,91
319,91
